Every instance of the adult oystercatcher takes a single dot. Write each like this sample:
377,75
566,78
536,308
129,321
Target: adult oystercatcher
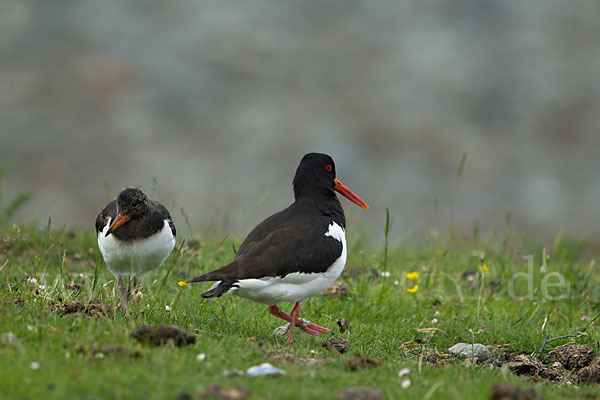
296,253
135,236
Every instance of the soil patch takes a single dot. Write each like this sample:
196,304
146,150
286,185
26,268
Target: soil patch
163,334
338,344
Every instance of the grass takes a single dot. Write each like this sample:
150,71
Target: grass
394,328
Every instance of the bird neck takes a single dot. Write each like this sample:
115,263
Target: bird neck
324,202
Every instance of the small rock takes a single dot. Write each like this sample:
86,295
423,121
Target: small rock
510,391
264,369
339,344
469,350
162,334
282,330
343,324
10,339
363,393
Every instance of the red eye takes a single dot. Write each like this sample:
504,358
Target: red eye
328,168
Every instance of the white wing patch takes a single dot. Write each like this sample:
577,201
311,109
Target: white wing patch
138,256
297,286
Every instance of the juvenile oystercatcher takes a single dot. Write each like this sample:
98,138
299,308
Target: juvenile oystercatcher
135,236
296,253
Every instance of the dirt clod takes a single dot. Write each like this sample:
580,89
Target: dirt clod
363,393
360,362
523,364
338,289
590,373
92,307
235,392
338,344
510,391
574,356
163,334
70,307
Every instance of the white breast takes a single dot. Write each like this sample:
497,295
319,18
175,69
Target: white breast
136,256
296,287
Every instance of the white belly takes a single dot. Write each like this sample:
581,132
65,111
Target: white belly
138,256
295,287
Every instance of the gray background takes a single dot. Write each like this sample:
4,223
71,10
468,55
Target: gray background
210,104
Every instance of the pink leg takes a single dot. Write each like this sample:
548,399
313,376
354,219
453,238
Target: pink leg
306,326
294,315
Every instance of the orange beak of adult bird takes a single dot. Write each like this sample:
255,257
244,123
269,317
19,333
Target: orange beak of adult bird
349,194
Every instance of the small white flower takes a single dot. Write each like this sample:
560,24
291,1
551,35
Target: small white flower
31,280
434,321
405,384
42,287
557,364
201,357
34,365
313,351
403,371
30,328
67,355
396,283
437,313
543,269
385,274
168,308
99,355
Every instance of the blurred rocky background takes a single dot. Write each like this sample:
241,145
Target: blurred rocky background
209,105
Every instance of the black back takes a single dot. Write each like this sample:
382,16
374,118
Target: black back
292,240
146,216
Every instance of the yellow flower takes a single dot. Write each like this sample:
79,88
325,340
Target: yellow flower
484,268
414,289
182,283
412,275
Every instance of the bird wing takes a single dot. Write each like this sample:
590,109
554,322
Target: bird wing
164,213
299,245
109,211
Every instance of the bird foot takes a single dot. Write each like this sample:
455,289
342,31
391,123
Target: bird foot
311,328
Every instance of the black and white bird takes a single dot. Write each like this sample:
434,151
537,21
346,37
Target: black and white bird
135,236
296,253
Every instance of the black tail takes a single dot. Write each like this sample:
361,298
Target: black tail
218,291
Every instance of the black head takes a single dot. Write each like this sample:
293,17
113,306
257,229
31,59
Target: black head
316,173
315,177
132,204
